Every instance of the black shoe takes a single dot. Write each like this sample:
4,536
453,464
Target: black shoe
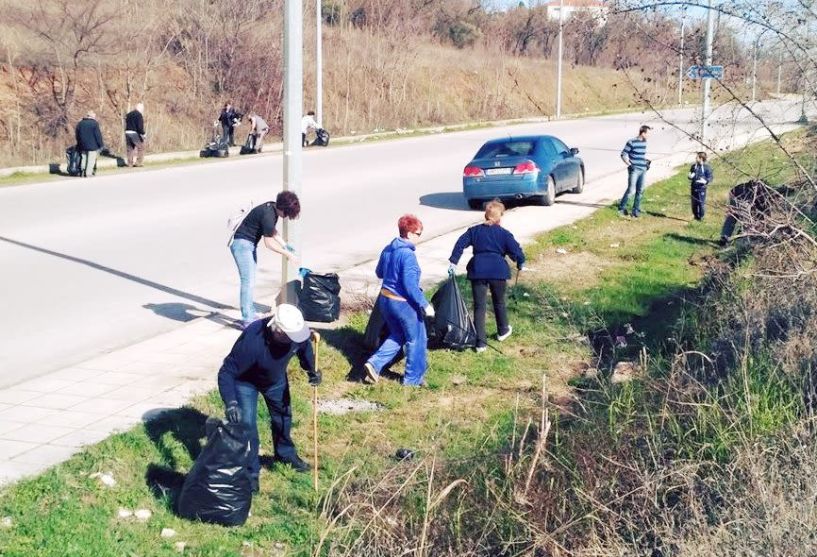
723,241
635,215
623,212
256,487
296,463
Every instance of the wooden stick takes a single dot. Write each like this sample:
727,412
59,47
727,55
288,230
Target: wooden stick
316,337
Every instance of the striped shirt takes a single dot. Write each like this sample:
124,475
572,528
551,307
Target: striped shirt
636,151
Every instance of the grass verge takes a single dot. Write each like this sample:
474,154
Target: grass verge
607,289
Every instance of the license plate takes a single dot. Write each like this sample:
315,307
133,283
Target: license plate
497,171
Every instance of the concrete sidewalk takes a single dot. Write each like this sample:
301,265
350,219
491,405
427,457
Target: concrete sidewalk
45,420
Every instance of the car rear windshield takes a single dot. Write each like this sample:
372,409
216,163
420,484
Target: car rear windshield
506,149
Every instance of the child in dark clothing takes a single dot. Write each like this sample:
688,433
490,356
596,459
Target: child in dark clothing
700,176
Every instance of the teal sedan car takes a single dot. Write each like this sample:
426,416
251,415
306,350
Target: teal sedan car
533,167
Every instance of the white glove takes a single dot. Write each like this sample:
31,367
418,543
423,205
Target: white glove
452,269
430,311
525,270
691,175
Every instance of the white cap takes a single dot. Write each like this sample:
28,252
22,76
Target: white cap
290,321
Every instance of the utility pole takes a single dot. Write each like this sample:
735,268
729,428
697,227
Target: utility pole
559,61
319,63
681,59
710,23
293,107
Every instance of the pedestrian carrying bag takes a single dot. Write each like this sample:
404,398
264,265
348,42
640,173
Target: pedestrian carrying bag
218,488
320,297
452,325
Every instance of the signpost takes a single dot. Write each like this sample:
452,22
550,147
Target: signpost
705,72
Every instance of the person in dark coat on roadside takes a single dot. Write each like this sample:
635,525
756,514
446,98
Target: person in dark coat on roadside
89,143
488,269
700,176
228,118
749,203
135,135
257,364
403,306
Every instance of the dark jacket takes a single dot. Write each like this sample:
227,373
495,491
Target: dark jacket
700,172
257,358
490,243
135,122
227,117
400,272
89,136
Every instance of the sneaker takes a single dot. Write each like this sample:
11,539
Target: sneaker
623,212
505,335
480,349
295,462
371,374
635,215
723,241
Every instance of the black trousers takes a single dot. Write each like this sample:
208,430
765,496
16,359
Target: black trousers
698,196
480,289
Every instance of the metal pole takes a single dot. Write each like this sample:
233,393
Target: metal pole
319,64
293,106
681,60
710,22
559,61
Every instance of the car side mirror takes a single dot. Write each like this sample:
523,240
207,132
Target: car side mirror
574,151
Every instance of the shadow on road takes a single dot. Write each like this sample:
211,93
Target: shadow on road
580,204
453,200
168,430
122,274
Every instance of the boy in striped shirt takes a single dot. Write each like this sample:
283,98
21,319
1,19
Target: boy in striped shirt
634,156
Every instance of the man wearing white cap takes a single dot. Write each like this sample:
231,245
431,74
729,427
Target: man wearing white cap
258,364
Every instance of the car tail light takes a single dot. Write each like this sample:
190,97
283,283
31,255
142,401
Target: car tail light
527,167
472,172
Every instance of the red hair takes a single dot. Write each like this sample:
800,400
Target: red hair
409,223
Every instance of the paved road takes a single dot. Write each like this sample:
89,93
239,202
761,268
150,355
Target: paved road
92,265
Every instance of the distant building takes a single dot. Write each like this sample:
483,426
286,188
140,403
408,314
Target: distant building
595,8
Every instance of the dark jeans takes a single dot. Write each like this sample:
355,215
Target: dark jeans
227,134
480,290
698,195
280,412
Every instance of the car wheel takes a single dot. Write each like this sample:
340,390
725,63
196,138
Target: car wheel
579,182
475,203
550,194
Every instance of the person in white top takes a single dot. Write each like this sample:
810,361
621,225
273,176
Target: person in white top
308,124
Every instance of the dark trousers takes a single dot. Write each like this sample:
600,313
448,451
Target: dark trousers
227,134
698,196
280,415
480,289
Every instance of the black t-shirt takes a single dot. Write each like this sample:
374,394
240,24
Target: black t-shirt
259,222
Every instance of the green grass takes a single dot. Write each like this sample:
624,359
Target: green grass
648,281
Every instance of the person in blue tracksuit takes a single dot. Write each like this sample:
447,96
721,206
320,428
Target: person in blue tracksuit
700,176
403,305
488,269
257,364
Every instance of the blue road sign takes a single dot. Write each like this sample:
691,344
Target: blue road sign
704,72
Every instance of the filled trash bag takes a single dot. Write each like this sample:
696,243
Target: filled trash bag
319,298
74,158
218,488
376,329
452,326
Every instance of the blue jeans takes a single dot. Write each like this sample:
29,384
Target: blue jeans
246,259
407,329
635,183
280,412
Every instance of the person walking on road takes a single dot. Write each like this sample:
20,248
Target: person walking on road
257,364
228,120
700,176
259,224
259,129
634,156
488,269
135,135
403,305
89,143
308,125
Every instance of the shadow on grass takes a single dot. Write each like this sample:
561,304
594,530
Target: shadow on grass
691,239
185,426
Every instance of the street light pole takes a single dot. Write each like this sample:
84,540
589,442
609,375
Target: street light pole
710,22
559,61
319,63
293,102
681,59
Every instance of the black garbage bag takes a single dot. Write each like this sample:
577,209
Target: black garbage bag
376,328
319,298
74,158
452,326
218,488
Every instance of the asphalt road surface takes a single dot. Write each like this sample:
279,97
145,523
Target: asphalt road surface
90,265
